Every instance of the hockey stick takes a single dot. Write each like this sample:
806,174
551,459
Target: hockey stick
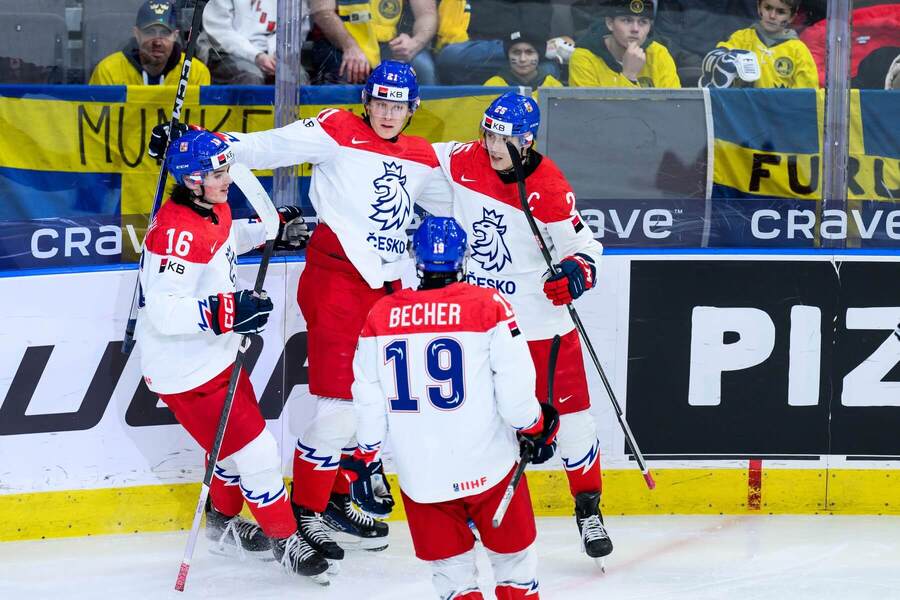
524,458
263,206
180,92
629,437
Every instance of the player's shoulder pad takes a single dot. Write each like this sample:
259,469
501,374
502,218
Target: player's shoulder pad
549,194
180,232
418,149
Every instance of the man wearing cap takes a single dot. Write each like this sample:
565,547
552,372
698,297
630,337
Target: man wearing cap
619,52
153,56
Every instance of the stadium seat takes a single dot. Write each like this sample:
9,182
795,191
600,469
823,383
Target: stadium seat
104,34
33,46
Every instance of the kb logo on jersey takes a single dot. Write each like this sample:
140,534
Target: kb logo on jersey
489,249
393,206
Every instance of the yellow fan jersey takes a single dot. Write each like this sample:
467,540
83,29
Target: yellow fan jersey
587,69
358,21
116,69
385,16
453,22
787,63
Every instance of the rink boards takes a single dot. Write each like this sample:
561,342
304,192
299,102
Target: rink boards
753,382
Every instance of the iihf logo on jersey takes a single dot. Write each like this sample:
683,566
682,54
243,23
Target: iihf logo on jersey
393,205
489,248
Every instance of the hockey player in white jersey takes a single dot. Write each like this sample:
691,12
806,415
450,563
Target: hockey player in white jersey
443,375
190,315
366,175
480,184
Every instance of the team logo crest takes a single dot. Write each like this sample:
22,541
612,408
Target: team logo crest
489,248
390,9
784,66
637,6
159,7
393,205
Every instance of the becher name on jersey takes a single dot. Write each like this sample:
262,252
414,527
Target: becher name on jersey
424,314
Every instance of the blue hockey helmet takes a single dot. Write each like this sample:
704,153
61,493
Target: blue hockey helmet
197,152
439,245
395,81
514,115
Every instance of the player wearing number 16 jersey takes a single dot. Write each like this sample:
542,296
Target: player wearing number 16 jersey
444,374
190,312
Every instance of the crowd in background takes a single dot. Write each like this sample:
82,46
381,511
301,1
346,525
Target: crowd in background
578,43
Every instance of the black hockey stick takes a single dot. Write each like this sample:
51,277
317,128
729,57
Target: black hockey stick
525,453
180,92
263,206
629,437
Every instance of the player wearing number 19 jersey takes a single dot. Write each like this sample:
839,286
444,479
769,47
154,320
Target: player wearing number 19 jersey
479,190
444,374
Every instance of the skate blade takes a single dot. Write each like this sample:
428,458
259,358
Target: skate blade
352,542
232,552
321,579
601,564
334,567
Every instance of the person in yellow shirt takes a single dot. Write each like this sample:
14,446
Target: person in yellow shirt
784,60
153,56
523,52
619,52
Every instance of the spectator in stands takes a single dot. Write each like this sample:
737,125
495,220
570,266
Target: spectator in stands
691,28
880,70
349,40
619,52
524,69
784,60
471,34
241,39
153,56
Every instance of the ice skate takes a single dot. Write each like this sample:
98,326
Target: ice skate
595,540
236,536
296,555
353,528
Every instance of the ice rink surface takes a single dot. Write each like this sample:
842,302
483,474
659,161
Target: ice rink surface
658,557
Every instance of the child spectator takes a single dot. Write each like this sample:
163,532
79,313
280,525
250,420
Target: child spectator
784,60
524,54
619,52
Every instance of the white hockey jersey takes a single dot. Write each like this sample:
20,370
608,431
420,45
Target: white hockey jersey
446,376
503,252
362,186
186,259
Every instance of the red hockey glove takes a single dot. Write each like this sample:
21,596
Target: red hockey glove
574,276
540,438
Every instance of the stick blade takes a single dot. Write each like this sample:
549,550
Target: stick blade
182,576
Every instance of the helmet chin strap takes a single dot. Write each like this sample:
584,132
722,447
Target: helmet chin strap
199,197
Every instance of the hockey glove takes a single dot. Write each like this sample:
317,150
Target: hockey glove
240,312
574,276
359,469
540,438
723,68
159,139
292,231
382,487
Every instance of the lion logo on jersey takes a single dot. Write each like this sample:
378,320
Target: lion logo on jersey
489,249
393,205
